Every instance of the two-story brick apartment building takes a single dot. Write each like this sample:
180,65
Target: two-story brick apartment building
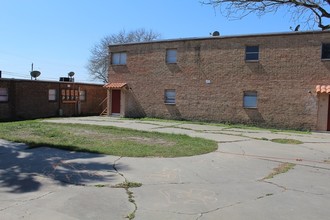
29,99
279,80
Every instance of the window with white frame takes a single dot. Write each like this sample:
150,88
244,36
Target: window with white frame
169,96
82,95
119,58
252,53
171,56
3,95
52,95
250,99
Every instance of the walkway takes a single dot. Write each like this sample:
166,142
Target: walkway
229,183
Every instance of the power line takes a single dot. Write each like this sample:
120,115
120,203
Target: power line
22,75
15,74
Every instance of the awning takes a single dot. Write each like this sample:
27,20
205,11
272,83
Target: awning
322,88
115,85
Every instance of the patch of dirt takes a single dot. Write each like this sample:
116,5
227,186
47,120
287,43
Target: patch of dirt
151,141
137,139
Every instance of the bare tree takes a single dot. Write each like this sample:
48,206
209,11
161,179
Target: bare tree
99,61
310,12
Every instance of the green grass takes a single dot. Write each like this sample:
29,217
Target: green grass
286,141
104,139
127,185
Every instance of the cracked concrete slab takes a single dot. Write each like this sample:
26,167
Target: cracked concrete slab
302,179
72,202
194,199
288,206
308,154
47,183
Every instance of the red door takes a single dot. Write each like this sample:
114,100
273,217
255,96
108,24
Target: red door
329,115
115,101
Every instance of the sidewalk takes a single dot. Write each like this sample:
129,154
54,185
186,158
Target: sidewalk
217,133
226,184
254,142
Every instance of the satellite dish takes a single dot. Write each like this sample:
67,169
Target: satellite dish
216,34
35,74
71,74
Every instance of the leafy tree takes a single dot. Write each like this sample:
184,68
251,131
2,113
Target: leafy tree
310,12
98,63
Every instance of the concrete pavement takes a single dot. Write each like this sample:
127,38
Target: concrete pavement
225,184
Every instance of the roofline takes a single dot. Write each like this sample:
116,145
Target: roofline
224,37
49,81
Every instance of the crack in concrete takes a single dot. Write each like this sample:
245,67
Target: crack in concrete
178,183
200,214
128,192
115,168
174,212
274,184
25,201
277,159
243,151
312,149
264,196
291,189
209,132
216,209
224,142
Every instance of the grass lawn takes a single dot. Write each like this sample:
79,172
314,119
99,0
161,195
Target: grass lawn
104,139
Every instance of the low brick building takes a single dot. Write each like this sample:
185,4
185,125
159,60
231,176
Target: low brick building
30,99
280,80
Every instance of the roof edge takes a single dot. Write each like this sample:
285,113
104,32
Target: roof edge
225,37
50,81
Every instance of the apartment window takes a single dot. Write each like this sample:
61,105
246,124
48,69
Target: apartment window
52,95
252,53
326,51
170,96
3,95
82,95
171,56
250,99
119,58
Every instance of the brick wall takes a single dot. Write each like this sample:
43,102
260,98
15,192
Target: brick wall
289,67
29,99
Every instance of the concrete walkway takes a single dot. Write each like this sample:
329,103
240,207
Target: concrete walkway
229,183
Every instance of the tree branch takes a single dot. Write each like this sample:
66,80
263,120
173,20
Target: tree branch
300,8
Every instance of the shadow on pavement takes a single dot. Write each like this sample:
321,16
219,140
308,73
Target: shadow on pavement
22,169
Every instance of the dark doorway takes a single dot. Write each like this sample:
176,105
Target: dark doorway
328,114
115,102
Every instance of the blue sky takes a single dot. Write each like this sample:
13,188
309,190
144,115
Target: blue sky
57,35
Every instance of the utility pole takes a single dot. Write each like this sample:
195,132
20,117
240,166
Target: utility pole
31,69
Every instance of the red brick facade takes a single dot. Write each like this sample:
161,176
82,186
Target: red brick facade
29,99
211,76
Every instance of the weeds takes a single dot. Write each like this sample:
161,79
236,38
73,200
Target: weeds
282,168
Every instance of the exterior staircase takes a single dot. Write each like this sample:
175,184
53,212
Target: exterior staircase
105,111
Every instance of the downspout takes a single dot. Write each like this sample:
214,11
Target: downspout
60,111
